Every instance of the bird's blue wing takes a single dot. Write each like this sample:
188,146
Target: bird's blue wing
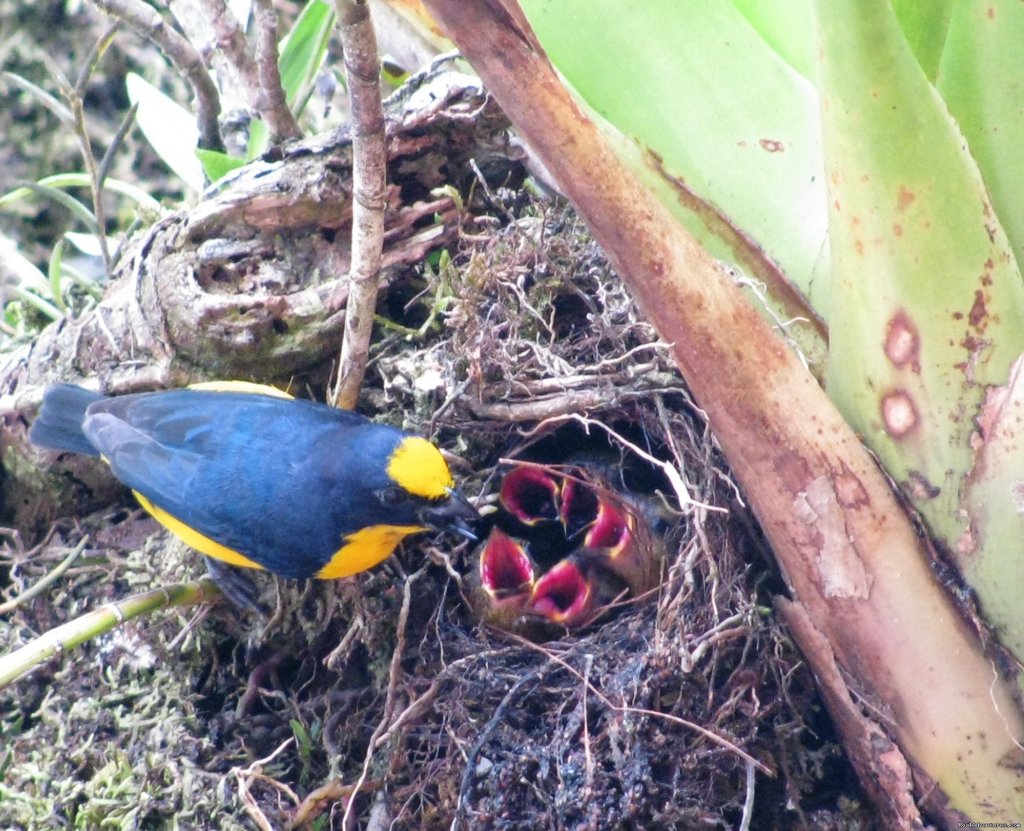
239,469
162,473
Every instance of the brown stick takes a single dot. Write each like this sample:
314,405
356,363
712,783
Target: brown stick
369,160
270,99
881,768
146,21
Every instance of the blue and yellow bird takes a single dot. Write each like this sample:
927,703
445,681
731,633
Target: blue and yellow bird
251,477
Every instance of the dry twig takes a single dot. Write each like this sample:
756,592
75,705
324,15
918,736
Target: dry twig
147,22
369,162
392,692
258,76
247,776
47,581
270,101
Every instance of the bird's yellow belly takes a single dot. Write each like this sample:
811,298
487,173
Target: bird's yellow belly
192,538
365,548
362,550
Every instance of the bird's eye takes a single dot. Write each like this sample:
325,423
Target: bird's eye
391,497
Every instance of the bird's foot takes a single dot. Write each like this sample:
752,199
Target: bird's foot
236,585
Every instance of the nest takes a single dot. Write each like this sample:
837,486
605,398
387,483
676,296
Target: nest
382,698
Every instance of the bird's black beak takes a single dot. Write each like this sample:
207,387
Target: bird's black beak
453,515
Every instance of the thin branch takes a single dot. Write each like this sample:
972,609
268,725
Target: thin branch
76,98
148,23
258,76
92,624
369,159
46,581
254,773
115,144
271,102
230,40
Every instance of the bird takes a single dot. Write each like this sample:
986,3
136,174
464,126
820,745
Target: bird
578,506
501,584
616,533
574,591
531,494
508,591
251,477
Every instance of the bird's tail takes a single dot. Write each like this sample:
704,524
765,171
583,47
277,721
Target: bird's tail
59,423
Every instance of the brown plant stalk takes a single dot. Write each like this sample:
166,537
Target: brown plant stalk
369,162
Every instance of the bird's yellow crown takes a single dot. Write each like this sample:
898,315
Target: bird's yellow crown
418,467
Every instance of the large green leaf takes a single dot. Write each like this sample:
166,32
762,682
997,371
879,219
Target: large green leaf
925,26
928,306
169,128
724,106
713,108
981,77
786,25
303,50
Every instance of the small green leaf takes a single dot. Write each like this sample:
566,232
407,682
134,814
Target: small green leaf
56,256
304,744
40,304
216,164
259,139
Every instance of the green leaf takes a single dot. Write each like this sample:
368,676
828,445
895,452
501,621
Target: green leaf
78,210
723,128
40,304
927,300
56,256
788,27
81,180
217,164
303,51
259,139
304,744
54,105
925,26
169,128
980,77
